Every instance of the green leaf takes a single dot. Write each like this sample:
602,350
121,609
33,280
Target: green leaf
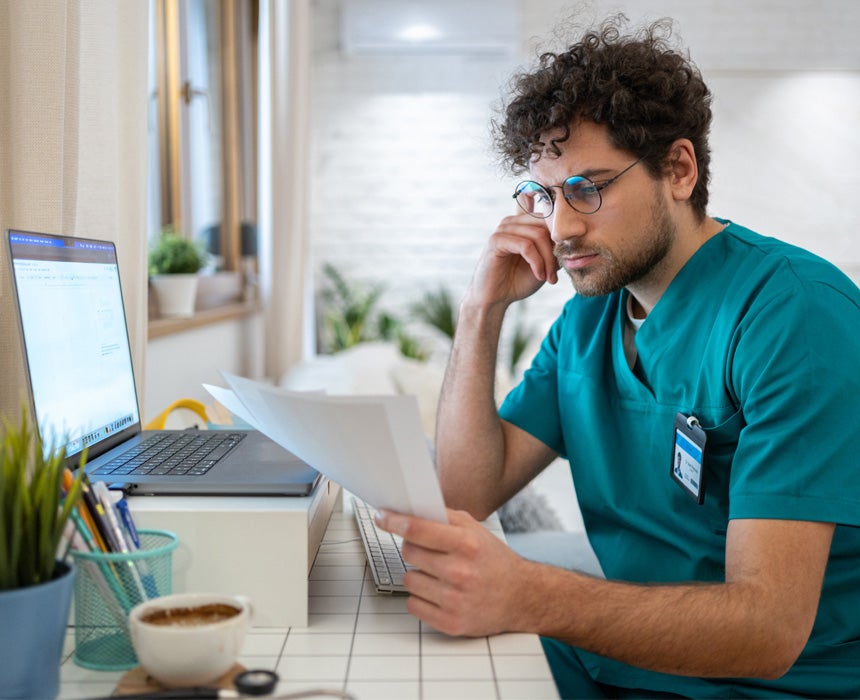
520,339
437,309
175,254
350,314
33,514
410,347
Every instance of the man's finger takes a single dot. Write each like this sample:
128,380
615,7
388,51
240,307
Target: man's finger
429,534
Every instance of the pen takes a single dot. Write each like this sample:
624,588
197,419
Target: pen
102,572
99,517
133,539
85,534
128,522
101,492
98,544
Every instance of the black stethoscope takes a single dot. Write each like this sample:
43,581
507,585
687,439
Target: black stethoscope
254,683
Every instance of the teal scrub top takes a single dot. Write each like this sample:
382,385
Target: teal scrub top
760,341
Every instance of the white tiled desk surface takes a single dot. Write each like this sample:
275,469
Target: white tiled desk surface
367,644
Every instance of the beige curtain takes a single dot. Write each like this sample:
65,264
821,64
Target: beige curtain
73,105
283,214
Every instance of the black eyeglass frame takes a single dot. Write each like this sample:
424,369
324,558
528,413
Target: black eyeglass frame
598,188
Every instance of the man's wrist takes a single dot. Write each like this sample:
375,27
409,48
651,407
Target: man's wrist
532,589
480,311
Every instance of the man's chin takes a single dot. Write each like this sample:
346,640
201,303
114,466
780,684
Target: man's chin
585,285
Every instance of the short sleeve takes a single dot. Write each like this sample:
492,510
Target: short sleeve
533,404
795,370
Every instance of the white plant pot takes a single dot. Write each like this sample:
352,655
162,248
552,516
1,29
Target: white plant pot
175,294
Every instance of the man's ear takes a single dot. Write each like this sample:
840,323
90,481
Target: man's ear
682,171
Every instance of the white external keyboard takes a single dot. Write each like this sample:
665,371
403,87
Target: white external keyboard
382,549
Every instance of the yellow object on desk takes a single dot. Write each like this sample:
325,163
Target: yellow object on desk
160,420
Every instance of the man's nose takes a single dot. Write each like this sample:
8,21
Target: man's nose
566,222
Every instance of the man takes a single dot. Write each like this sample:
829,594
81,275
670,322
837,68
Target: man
690,335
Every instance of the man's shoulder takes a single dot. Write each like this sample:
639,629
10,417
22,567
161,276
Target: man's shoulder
768,262
746,243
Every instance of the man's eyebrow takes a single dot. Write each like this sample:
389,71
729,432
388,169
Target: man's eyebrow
591,173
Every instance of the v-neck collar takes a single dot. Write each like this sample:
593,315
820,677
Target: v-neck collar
629,380
656,332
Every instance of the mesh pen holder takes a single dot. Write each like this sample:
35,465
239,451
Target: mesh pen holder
107,587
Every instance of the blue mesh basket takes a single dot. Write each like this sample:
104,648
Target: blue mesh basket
107,587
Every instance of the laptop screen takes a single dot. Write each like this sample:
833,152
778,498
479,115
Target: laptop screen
75,339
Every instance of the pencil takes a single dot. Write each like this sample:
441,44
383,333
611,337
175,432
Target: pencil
101,571
99,516
101,492
83,510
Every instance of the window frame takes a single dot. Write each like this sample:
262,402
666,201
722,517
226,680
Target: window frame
237,108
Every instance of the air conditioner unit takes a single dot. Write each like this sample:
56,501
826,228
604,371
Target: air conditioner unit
432,26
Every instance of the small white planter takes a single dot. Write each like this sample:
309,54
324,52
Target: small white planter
175,294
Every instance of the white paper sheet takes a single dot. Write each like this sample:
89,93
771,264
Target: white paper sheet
228,400
373,446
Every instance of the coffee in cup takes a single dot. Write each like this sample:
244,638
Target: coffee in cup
189,639
204,614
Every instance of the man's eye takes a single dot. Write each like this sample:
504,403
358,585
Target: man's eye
579,187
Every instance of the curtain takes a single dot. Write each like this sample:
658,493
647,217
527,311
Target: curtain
283,182
73,105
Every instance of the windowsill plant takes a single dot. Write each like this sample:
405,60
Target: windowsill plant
174,264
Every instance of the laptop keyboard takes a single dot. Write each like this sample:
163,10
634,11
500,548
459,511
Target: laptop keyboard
382,549
173,454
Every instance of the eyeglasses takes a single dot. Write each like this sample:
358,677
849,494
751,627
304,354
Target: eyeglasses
582,194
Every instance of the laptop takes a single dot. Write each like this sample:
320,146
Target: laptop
82,389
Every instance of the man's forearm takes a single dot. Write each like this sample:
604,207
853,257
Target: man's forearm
706,630
756,623
469,439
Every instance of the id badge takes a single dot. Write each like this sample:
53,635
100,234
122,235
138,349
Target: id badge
688,456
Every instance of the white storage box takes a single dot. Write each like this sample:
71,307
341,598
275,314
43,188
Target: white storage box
258,546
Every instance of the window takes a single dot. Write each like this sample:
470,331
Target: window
202,126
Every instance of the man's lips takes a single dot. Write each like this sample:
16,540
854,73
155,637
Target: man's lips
576,261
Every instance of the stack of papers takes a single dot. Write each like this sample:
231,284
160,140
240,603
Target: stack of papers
373,446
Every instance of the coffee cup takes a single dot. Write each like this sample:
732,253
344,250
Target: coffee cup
189,639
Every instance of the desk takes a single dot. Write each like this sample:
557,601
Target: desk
367,644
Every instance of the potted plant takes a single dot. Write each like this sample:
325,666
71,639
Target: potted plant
35,580
174,262
350,317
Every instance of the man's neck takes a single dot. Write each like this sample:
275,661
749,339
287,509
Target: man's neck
646,292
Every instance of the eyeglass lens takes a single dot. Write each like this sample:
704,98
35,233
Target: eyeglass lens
580,192
534,199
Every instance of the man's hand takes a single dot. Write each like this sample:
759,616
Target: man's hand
516,261
755,624
467,579
481,462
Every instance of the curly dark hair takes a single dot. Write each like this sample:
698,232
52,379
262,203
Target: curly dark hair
646,93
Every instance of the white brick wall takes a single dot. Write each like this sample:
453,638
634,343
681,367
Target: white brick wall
405,190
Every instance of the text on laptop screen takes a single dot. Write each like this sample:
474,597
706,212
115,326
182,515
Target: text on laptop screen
75,337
